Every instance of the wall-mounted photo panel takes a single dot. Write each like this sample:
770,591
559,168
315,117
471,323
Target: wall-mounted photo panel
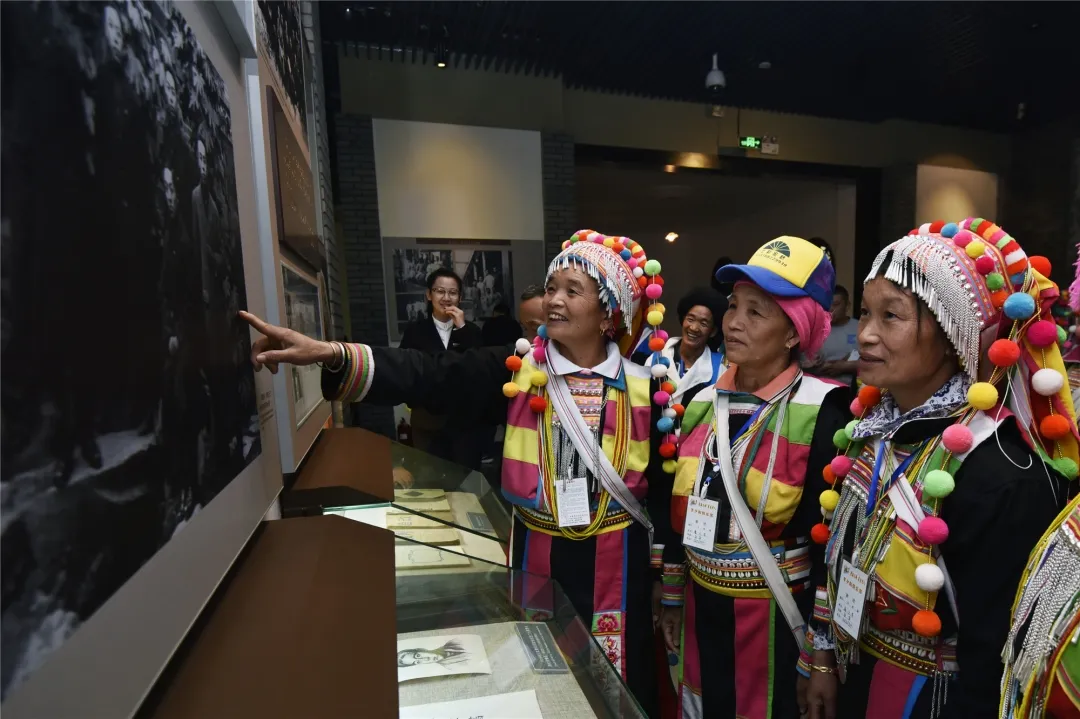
294,188
303,314
281,41
130,406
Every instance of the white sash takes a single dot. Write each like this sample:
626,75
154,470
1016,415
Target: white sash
759,548
590,451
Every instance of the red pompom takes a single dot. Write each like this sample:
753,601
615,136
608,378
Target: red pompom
658,280
667,450
869,396
1054,427
998,298
985,264
1042,333
679,409
656,344
935,227
819,533
513,363
643,281
926,623
537,404
1004,353
829,474
667,387
1041,265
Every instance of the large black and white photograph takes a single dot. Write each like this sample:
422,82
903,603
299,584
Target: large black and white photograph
281,38
303,314
128,401
486,283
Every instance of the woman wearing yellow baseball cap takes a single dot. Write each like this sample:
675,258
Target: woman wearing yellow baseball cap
751,450
946,481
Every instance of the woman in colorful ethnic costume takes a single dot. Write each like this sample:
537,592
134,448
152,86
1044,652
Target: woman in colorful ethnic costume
748,475
696,356
1042,653
946,481
580,417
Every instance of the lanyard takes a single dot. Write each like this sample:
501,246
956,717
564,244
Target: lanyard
734,440
871,500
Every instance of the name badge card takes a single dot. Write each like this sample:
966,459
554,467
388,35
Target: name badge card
572,496
700,529
851,599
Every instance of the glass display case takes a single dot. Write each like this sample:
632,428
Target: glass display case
437,503
497,642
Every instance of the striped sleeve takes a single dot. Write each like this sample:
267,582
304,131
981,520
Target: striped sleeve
674,585
352,382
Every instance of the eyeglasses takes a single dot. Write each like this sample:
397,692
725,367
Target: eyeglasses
449,294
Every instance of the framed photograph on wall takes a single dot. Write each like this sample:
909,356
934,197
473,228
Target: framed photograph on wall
303,314
485,271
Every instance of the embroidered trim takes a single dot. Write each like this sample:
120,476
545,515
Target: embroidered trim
673,585
735,573
885,418
656,557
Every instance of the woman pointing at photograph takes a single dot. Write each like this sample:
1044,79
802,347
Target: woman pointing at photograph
751,452
580,418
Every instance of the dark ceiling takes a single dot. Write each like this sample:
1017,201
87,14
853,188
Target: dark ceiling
970,64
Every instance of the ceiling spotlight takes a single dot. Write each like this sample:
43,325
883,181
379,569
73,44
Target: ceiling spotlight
669,168
764,65
671,236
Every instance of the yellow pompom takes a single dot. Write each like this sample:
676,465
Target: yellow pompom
829,499
609,242
982,395
658,307
669,466
538,379
975,249
654,318
511,390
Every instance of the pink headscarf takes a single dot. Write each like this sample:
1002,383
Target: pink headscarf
812,323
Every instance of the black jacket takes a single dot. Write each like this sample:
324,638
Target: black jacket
424,336
501,330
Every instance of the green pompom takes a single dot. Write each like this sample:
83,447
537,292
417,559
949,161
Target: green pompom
1066,467
840,438
1062,335
849,430
652,268
994,281
938,483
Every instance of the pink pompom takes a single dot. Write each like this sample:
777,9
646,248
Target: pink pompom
933,530
997,236
985,264
539,354
963,238
631,263
662,335
957,439
661,397
653,292
841,465
1042,333
856,407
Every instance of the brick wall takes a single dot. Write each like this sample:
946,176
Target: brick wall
358,215
560,203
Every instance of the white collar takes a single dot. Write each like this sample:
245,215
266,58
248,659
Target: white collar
610,368
448,324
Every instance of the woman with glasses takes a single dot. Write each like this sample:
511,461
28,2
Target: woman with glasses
444,330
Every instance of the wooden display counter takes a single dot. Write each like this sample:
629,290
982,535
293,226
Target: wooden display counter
304,627
346,466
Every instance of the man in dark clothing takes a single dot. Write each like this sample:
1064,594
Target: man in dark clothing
501,329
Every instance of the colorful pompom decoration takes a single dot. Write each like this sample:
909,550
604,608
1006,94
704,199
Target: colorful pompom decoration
856,407
538,379
933,530
667,387
985,264
663,335
669,466
667,450
829,499
537,404
541,332
938,484
653,292
513,363
982,395
656,344
1042,333
819,533
963,238
658,371
957,438
975,249
1047,382
539,354
840,464
1041,265
929,577
654,318
1004,353
665,424
994,282
523,345
869,396
652,268
679,409
661,397
1054,427
839,439
926,623
850,427
510,390
1019,306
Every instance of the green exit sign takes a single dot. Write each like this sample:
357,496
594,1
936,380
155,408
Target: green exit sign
750,142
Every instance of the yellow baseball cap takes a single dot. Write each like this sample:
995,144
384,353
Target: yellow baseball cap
787,267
